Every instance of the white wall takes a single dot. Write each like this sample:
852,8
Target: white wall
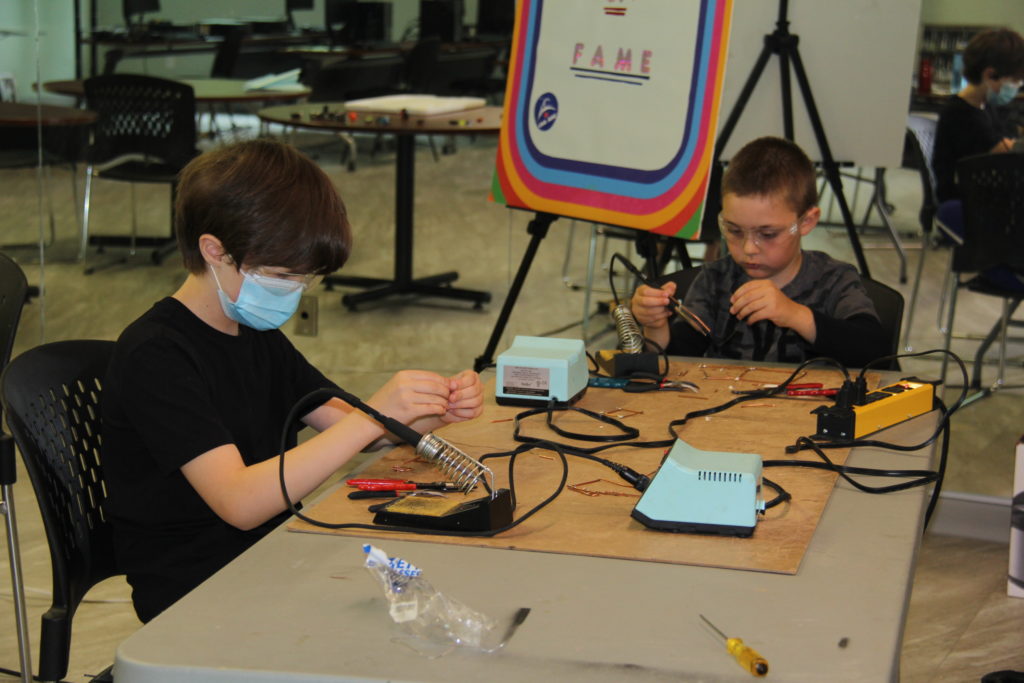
403,12
1008,13
55,43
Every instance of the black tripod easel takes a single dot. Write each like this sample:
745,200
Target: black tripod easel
787,46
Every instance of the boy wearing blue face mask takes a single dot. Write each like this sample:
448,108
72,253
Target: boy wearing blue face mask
199,388
972,121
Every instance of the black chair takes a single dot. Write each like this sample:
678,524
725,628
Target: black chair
13,290
920,141
226,57
992,189
476,75
52,397
888,306
352,79
420,75
145,132
460,71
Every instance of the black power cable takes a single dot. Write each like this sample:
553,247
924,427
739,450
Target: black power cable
411,437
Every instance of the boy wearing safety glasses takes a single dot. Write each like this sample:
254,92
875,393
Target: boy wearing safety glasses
768,300
199,388
973,121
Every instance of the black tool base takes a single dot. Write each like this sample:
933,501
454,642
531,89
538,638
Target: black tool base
434,285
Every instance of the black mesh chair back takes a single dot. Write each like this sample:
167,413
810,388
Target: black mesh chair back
52,397
889,307
154,117
920,143
992,192
145,132
13,290
992,188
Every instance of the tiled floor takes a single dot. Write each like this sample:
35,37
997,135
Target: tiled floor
961,624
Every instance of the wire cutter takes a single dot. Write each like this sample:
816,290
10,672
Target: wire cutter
639,386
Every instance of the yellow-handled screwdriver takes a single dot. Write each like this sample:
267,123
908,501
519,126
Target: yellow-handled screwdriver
746,656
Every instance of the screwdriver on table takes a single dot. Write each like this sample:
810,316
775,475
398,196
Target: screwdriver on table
746,657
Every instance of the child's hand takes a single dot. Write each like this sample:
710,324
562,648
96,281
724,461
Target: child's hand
650,305
762,300
466,399
412,394
650,308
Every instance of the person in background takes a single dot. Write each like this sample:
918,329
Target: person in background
972,121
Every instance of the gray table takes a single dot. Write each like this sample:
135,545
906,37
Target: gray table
300,607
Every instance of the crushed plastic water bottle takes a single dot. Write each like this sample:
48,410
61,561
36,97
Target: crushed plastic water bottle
435,623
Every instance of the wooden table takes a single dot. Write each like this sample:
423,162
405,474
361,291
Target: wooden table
300,607
333,116
209,90
24,114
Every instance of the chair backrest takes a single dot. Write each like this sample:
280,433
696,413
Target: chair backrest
154,117
454,68
921,143
13,289
111,59
421,65
992,189
52,397
226,58
888,305
356,78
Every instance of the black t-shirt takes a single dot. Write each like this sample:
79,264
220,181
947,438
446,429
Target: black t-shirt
963,130
177,388
844,316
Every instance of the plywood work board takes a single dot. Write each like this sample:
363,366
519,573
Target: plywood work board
600,525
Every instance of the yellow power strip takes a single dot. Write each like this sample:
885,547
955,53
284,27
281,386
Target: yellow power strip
880,409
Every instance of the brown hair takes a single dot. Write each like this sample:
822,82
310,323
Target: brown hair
1001,49
267,203
772,166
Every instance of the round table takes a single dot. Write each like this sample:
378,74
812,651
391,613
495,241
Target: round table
25,114
206,90
334,116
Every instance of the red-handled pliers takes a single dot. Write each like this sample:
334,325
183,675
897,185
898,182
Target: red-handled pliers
810,389
400,485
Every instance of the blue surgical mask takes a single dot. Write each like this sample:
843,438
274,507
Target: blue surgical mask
1007,91
263,303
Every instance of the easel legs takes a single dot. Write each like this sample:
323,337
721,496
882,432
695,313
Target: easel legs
538,230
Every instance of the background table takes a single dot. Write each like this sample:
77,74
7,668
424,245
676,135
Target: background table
471,122
209,90
300,607
22,114
62,143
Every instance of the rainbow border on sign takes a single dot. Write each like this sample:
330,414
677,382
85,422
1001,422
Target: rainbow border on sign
665,201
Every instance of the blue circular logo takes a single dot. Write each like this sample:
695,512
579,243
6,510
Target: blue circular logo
545,111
